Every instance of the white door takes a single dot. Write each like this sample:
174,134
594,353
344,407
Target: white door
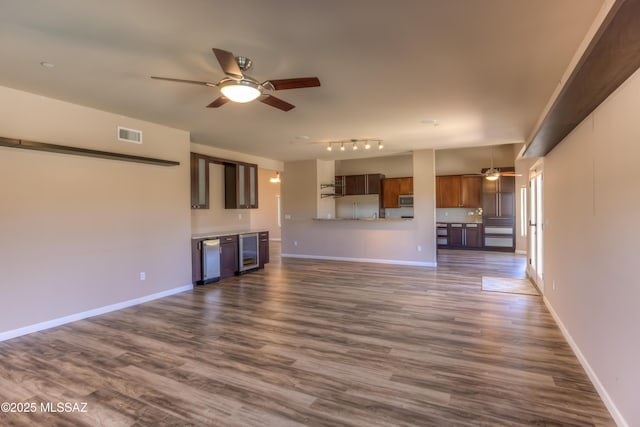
536,219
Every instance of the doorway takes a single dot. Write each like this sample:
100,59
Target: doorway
536,227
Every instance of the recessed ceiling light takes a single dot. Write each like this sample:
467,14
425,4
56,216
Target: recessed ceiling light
432,122
46,64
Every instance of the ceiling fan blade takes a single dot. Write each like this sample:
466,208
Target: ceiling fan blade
510,174
277,102
195,82
219,101
294,83
228,63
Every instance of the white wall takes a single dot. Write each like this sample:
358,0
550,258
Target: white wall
591,203
75,232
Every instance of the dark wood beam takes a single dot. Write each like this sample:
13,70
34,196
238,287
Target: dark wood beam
76,151
611,58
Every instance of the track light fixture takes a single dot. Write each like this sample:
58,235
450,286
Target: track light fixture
355,144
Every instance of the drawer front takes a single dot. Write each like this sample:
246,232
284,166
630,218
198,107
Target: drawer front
498,230
499,242
228,239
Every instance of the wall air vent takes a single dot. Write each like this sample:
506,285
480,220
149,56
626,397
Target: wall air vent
129,135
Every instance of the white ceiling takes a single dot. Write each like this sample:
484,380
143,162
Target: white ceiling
484,69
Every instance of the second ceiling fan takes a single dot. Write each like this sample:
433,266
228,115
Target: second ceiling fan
239,87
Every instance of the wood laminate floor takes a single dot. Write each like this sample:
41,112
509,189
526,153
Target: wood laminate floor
316,343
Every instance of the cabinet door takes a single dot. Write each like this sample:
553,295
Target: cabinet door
471,191
455,235
199,182
263,241
240,186
196,260
228,256
354,185
490,205
390,192
405,185
506,204
252,186
473,236
374,183
507,184
450,191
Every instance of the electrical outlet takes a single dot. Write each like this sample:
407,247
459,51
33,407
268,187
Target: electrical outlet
295,243
143,275
419,248
239,216
287,216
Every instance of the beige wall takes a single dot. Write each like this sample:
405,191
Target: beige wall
474,159
522,167
591,202
391,166
217,218
266,216
377,241
76,232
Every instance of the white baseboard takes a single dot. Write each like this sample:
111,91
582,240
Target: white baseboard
611,406
374,260
86,314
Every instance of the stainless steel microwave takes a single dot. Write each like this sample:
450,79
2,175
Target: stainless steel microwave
405,201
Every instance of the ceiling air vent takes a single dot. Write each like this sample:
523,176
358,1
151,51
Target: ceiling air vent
129,135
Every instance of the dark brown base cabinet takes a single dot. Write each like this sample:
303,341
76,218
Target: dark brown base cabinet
263,248
229,256
465,236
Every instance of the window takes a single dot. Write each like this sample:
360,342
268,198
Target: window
523,211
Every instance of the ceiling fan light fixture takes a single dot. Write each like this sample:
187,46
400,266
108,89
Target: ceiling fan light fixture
492,175
240,90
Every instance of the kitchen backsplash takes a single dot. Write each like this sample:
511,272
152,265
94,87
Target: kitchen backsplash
458,215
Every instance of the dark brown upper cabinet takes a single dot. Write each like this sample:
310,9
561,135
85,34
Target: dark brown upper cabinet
199,181
354,185
240,186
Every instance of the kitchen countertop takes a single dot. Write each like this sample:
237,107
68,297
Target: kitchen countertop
214,234
459,222
364,219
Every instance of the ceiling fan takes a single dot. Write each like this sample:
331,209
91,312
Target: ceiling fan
493,173
239,87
